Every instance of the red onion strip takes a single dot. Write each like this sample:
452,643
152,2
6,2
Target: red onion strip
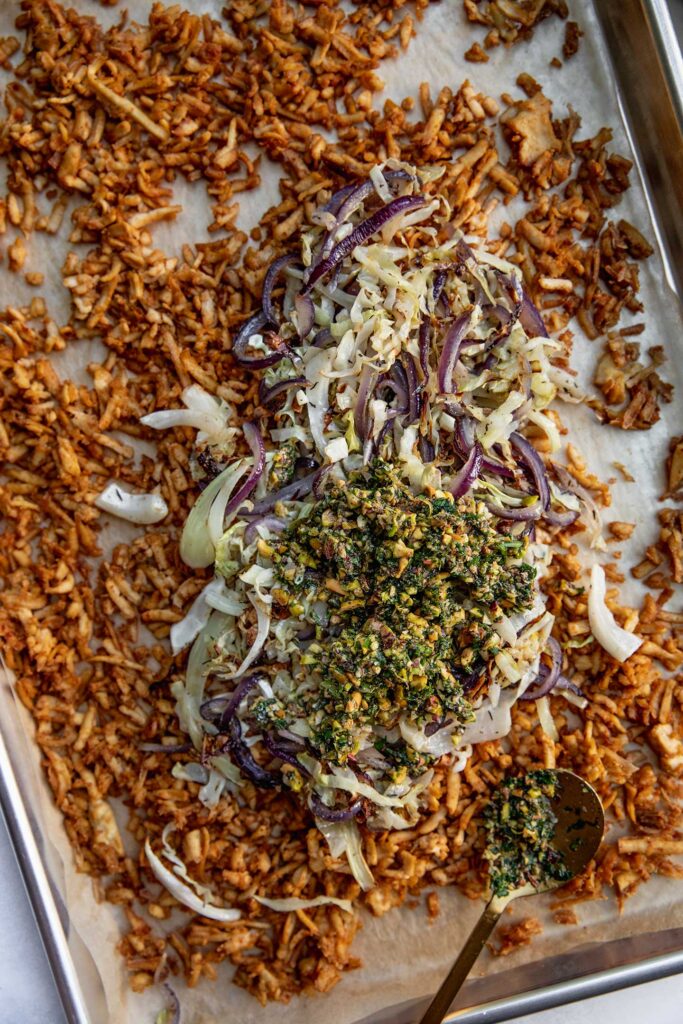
465,477
286,750
530,318
244,759
267,395
272,275
255,325
297,489
533,461
325,813
452,344
464,440
274,523
258,448
547,676
305,314
366,229
525,513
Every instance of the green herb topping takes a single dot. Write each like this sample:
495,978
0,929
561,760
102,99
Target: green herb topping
520,826
404,592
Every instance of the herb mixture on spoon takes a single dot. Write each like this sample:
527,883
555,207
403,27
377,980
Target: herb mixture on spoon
376,604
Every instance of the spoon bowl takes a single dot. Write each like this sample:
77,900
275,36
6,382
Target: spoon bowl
580,823
579,827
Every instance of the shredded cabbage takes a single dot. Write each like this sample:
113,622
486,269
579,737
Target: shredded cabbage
294,903
343,837
197,544
616,641
186,894
143,509
545,717
189,627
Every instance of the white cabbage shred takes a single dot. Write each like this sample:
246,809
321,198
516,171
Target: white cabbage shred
616,641
142,509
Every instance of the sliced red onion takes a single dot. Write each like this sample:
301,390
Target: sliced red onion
452,344
258,448
565,518
305,314
319,481
352,198
490,465
221,709
566,684
506,320
438,284
325,813
297,489
465,477
360,234
212,708
267,395
244,759
391,416
397,381
414,388
464,434
287,750
547,676
366,387
433,727
273,273
274,523
364,191
254,325
464,438
533,461
530,318
465,254
335,201
426,449
322,338
516,515
172,1013
424,342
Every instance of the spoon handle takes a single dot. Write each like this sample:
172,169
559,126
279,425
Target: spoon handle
439,1006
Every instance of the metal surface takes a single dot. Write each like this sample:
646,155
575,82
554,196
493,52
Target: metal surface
571,991
39,892
648,68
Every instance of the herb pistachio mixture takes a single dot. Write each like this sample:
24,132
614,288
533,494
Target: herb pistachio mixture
404,592
520,826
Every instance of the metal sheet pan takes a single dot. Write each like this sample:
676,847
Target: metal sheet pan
648,68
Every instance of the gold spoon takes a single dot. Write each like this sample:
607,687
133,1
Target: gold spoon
578,834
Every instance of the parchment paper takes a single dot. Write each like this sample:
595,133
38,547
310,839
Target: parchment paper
404,957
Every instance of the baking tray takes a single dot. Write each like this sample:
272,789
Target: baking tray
648,69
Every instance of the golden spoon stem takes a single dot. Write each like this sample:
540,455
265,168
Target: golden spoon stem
440,1004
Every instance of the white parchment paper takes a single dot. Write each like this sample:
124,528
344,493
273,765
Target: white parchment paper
404,957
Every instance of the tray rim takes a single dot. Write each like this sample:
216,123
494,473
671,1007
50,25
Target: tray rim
39,891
